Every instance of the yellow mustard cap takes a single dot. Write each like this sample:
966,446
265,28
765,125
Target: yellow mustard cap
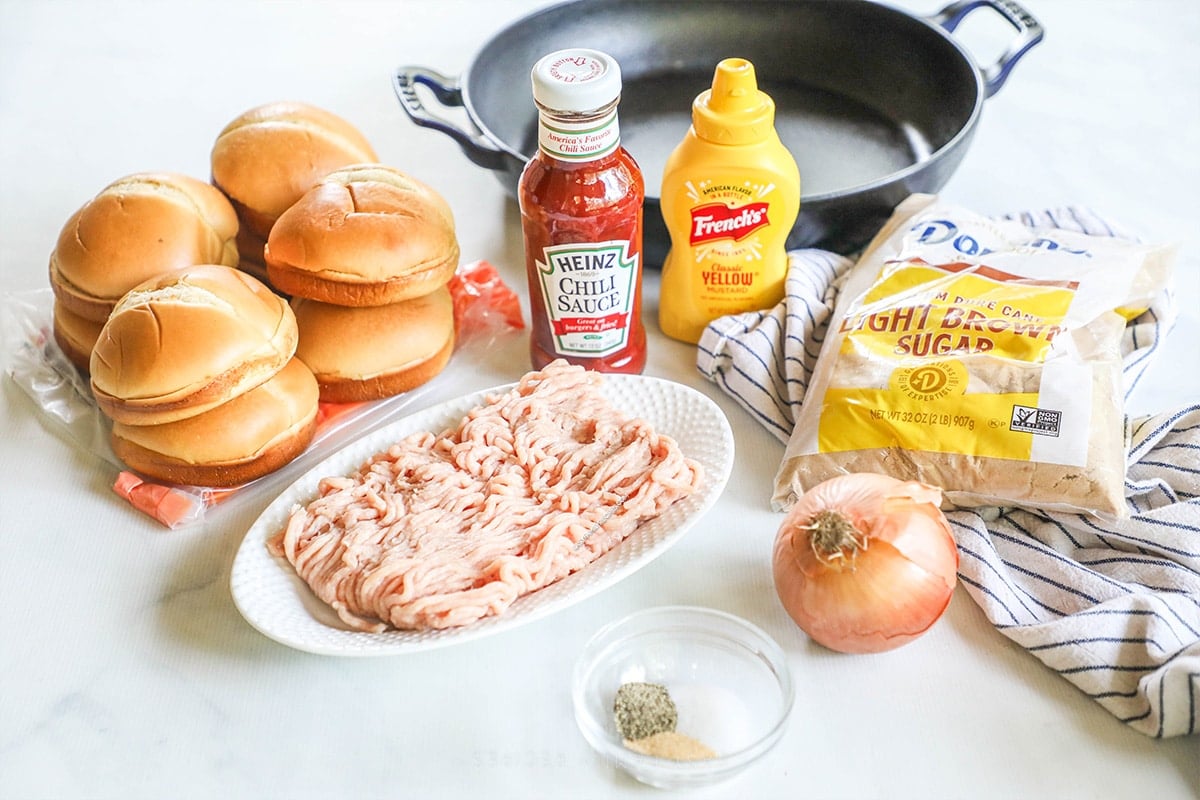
733,111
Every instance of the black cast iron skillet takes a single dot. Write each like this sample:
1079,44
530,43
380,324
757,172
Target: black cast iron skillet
874,102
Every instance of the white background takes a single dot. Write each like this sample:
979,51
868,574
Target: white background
125,670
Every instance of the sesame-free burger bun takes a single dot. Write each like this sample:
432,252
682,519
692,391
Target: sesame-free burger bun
378,351
137,227
245,438
268,156
75,335
187,341
365,235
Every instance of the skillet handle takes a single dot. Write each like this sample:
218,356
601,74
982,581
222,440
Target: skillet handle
447,92
1029,33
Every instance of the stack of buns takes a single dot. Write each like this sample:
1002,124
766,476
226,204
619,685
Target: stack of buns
135,228
196,369
172,295
269,156
367,255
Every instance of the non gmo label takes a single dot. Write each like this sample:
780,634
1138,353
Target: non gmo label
588,290
1042,421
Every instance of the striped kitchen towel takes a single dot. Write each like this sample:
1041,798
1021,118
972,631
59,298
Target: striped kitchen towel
1113,607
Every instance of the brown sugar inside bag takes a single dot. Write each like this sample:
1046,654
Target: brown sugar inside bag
980,356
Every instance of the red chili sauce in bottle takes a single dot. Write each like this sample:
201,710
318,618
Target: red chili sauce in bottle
581,202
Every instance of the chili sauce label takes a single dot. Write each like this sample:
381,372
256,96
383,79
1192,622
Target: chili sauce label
588,289
585,141
951,358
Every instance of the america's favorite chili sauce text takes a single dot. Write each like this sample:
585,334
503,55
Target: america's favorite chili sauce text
581,201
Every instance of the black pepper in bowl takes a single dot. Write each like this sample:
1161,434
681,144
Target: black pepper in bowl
643,709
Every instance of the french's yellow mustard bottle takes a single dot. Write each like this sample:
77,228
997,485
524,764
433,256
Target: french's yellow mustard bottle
730,196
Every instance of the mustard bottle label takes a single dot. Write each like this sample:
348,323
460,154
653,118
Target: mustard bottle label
713,222
733,248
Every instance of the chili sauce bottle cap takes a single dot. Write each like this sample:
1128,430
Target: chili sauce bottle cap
733,111
576,80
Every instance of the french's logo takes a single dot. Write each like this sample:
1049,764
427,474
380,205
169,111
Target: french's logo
715,221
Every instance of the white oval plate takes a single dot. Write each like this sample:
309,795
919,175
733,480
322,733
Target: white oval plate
272,597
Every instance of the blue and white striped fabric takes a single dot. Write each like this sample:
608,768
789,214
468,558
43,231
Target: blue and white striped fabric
1112,607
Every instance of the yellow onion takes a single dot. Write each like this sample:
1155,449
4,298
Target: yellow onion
865,562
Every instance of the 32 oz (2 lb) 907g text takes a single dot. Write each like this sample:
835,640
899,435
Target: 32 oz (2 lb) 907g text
925,418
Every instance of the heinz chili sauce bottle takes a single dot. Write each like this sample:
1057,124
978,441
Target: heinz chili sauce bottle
581,212
730,195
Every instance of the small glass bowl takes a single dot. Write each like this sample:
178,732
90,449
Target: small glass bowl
728,679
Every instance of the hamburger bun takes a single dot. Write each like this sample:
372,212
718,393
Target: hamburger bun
137,227
365,235
75,335
373,352
187,341
250,436
267,157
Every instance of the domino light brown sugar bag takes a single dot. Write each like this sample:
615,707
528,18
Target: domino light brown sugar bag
980,356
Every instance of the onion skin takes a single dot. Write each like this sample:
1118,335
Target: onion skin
883,595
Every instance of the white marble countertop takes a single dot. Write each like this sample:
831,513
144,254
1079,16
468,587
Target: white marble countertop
126,670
